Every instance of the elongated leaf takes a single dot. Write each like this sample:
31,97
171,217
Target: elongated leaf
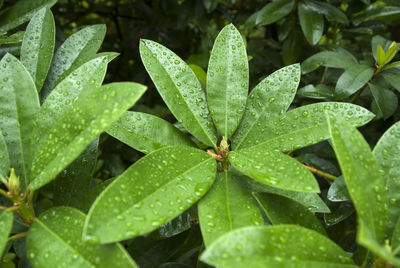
66,92
385,100
282,210
6,221
227,80
55,240
352,80
328,10
337,191
4,158
386,153
227,206
21,12
281,246
274,11
380,55
274,169
18,109
303,126
319,92
83,121
75,51
392,77
153,191
38,46
377,41
311,22
292,47
180,89
359,168
340,58
396,237
268,100
12,39
147,133
73,184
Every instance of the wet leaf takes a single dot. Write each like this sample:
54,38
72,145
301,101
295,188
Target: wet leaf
319,92
337,191
282,210
89,115
146,132
274,169
268,100
311,22
227,80
340,58
277,246
352,80
180,89
18,109
38,46
227,206
55,240
4,158
6,221
274,11
153,191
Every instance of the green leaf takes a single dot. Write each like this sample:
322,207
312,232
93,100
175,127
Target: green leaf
360,168
180,89
38,46
4,158
311,22
55,240
392,65
146,132
393,78
282,210
153,191
227,80
386,153
319,92
385,100
381,55
63,95
21,12
292,47
6,221
377,41
18,109
89,115
274,169
352,80
274,11
75,51
12,39
328,10
73,184
227,206
396,237
280,246
337,191
304,126
199,72
210,5
270,98
340,58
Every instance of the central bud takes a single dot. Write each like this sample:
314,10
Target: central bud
222,154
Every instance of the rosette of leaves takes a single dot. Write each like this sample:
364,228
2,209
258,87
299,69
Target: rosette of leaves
39,139
234,141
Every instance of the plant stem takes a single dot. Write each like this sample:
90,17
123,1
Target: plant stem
323,75
321,173
2,192
13,237
358,93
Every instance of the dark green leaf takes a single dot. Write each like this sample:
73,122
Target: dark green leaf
393,78
340,58
339,213
385,100
337,191
38,46
227,206
282,210
274,11
352,80
89,115
280,246
227,80
147,133
292,47
6,221
180,89
153,191
311,22
55,240
328,10
12,39
319,92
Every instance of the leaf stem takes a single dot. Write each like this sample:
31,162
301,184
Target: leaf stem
16,236
321,173
4,193
323,75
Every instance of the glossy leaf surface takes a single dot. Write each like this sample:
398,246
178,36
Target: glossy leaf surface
385,100
227,80
311,22
328,10
274,11
352,80
38,46
21,12
91,114
146,132
274,169
268,100
55,240
4,158
227,206
6,221
18,109
180,89
304,126
153,191
276,247
75,51
360,168
340,58
282,210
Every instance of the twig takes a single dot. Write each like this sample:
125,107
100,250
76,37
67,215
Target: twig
321,173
